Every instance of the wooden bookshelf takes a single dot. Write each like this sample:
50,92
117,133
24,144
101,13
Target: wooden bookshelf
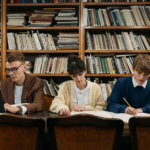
118,28
24,8
41,4
44,28
117,51
115,3
44,51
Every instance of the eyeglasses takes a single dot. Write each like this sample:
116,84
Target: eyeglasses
12,70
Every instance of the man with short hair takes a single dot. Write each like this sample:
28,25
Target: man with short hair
20,87
135,89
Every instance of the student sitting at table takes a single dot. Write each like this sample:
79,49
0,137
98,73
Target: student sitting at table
20,87
77,94
135,89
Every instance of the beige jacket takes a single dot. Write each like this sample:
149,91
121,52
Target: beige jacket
65,98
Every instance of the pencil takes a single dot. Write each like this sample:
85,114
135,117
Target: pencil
127,102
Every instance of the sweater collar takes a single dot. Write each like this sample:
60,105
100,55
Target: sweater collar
135,84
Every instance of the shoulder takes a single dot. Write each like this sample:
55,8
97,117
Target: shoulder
124,79
6,81
94,85
35,81
67,84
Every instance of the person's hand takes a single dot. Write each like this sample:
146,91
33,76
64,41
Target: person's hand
130,111
12,109
139,110
64,112
78,108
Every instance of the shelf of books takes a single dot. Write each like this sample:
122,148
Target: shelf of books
46,32
106,34
113,33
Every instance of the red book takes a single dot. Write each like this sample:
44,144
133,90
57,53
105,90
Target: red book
17,1
55,1
69,1
41,19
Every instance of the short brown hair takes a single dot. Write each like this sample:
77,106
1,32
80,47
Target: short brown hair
141,63
14,56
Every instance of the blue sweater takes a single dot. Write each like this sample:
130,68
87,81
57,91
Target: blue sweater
136,98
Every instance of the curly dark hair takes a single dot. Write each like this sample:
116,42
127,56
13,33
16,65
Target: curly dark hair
75,65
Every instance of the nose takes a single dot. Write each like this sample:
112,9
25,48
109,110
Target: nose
142,76
78,78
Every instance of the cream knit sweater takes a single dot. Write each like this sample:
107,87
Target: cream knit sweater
65,98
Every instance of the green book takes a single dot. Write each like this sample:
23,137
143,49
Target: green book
103,67
122,16
106,64
103,17
98,21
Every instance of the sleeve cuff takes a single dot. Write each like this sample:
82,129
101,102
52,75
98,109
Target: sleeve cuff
24,109
144,109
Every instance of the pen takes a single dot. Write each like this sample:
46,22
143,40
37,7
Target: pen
127,102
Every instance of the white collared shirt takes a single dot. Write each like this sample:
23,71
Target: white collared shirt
18,94
81,97
135,84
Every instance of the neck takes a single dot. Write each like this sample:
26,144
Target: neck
82,85
21,81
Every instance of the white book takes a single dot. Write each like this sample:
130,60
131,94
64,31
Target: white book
37,41
104,91
85,16
106,114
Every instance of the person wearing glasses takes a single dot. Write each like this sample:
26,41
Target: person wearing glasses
22,89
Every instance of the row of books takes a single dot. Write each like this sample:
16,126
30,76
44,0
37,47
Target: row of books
42,41
43,1
122,41
119,64
45,18
105,87
50,88
96,1
30,41
46,64
118,16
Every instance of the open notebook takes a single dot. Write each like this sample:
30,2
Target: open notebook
105,114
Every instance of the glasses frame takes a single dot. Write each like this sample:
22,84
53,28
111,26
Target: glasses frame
12,70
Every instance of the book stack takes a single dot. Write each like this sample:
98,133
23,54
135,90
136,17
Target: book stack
0,40
46,64
68,41
118,16
116,1
42,18
50,88
18,20
30,41
43,1
29,66
119,64
66,16
122,41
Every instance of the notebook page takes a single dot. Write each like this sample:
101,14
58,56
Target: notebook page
103,114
